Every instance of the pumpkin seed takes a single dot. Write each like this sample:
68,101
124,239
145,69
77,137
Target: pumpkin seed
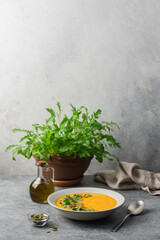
53,228
38,216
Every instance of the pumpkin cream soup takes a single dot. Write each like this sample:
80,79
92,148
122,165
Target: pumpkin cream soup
87,202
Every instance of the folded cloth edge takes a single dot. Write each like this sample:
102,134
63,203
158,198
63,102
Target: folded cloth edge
128,176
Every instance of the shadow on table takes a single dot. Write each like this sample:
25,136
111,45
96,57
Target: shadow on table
147,211
101,223
107,222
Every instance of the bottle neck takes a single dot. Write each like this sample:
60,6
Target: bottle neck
41,171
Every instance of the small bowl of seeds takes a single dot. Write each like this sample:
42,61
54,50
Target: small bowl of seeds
38,220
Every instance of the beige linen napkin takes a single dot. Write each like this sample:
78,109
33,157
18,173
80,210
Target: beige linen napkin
130,176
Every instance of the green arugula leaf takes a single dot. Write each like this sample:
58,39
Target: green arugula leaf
81,135
19,130
10,147
52,118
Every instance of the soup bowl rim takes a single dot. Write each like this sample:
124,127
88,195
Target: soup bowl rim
114,194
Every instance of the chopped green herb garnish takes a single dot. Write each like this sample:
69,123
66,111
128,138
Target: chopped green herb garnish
72,202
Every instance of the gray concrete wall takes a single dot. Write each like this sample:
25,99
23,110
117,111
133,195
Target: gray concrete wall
98,53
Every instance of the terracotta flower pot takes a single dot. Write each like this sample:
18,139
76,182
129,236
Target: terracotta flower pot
67,169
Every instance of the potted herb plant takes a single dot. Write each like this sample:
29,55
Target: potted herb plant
68,143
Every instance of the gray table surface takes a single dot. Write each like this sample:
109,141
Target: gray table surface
15,204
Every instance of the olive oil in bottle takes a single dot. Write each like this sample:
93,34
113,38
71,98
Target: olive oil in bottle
43,185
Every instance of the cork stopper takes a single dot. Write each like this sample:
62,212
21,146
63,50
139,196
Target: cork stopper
41,163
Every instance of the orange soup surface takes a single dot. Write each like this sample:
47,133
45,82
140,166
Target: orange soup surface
86,202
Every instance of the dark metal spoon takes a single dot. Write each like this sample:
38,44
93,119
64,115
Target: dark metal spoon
134,209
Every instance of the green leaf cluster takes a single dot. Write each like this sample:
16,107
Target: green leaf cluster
81,134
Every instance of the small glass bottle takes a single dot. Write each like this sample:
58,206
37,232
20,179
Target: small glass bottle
43,185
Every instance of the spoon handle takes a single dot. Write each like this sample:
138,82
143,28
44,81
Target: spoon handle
115,228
